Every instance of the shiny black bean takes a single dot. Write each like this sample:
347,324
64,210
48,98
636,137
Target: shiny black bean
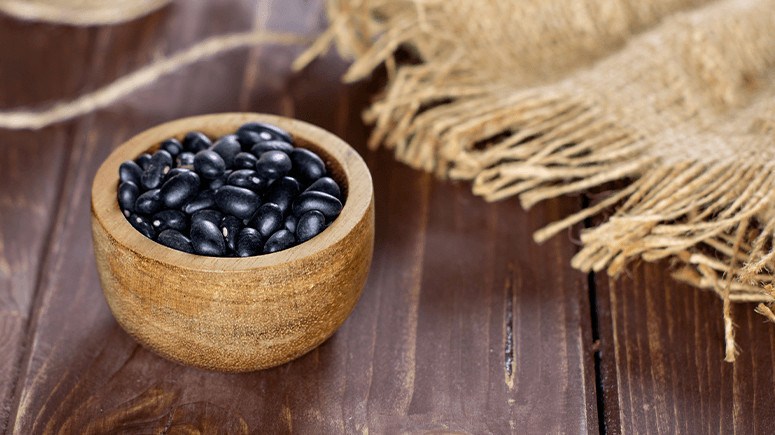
172,146
160,164
310,225
230,228
282,239
196,141
204,199
273,165
170,219
208,164
307,166
267,220
254,132
290,223
208,214
245,161
127,196
175,240
173,172
143,160
326,185
141,224
219,182
131,172
248,242
270,145
180,189
323,202
149,202
248,179
227,147
237,201
282,192
206,239
185,158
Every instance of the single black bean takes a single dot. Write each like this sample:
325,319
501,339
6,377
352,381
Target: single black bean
253,132
273,165
267,220
290,223
173,172
270,145
282,239
204,199
196,141
326,185
172,146
230,228
237,201
310,225
314,200
208,214
170,219
207,239
143,160
149,202
248,242
127,196
175,240
219,182
307,166
208,164
248,179
180,189
130,171
245,161
160,164
282,192
227,147
141,224
185,158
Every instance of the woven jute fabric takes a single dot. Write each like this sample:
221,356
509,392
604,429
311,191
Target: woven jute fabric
671,102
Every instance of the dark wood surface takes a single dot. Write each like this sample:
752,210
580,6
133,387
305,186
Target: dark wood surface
465,324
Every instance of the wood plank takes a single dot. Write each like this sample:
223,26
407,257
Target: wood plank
464,325
665,342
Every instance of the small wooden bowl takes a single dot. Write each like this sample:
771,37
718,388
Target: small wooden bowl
235,314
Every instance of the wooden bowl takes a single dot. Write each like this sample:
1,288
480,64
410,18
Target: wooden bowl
235,314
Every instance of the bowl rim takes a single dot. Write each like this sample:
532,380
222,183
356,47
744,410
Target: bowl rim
106,211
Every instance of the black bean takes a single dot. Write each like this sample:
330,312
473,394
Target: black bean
175,240
245,161
326,185
180,189
323,202
130,171
254,132
307,166
267,220
227,147
230,228
141,224
282,239
282,192
143,160
248,242
208,214
248,179
237,201
185,158
270,145
204,199
206,238
172,146
196,141
310,225
127,196
290,223
170,219
175,171
149,202
160,164
273,165
208,164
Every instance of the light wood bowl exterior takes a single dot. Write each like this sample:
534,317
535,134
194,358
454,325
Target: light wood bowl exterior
235,314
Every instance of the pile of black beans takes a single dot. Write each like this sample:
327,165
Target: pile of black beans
248,193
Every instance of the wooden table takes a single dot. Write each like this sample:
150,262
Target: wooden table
465,325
